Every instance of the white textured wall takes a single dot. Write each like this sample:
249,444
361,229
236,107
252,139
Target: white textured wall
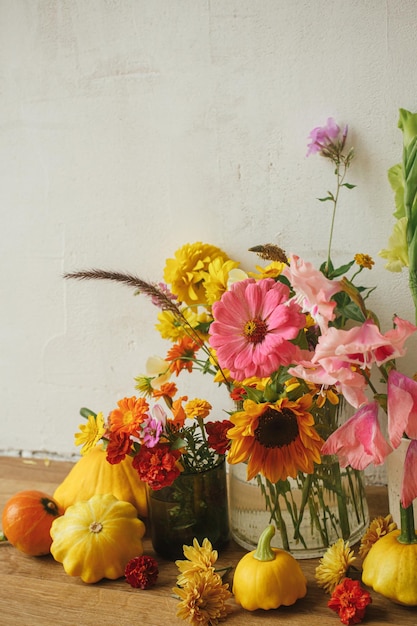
130,127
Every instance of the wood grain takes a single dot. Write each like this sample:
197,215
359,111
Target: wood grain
37,592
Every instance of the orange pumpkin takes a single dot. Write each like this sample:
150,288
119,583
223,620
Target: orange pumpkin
27,519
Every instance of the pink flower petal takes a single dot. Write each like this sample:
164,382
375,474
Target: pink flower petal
359,441
409,484
402,407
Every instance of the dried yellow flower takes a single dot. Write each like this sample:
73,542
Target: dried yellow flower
364,260
379,527
203,599
334,565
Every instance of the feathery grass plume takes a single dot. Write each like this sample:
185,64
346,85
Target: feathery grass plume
270,252
158,296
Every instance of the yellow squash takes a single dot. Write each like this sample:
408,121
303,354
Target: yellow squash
93,474
97,538
267,578
390,568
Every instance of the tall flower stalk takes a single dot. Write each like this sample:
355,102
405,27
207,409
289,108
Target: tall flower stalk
330,143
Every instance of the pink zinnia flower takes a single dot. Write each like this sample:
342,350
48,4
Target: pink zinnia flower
323,136
253,325
359,441
402,407
313,290
409,484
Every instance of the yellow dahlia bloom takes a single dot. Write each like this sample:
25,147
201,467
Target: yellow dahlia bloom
185,274
334,565
276,439
196,558
272,270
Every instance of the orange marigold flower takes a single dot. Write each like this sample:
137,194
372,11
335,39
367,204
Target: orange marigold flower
364,260
197,408
167,390
130,414
182,355
118,447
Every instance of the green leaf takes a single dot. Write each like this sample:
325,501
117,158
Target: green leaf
331,197
348,185
87,413
396,180
340,271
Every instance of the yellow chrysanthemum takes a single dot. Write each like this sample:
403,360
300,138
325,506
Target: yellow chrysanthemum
216,279
91,433
334,565
197,558
276,439
397,251
197,408
379,527
171,328
364,260
186,272
203,599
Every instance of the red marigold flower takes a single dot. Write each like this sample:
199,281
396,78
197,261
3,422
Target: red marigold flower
157,466
349,600
182,355
217,439
142,572
118,447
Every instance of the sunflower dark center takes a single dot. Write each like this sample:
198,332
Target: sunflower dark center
255,330
276,428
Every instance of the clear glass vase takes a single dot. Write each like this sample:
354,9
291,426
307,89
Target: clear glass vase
194,506
310,512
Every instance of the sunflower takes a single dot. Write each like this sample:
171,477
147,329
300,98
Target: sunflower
276,439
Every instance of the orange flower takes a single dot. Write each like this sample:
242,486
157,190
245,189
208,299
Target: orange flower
130,414
178,411
167,390
182,355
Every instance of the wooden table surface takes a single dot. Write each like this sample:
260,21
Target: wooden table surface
37,591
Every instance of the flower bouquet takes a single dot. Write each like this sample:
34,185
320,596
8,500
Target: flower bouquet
292,345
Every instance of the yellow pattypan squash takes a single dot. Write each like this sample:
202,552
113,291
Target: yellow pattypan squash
93,474
390,568
96,539
267,578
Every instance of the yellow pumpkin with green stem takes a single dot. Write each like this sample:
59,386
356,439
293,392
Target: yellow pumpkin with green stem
93,474
390,568
97,538
267,577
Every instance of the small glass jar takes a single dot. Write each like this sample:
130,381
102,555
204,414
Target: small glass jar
194,506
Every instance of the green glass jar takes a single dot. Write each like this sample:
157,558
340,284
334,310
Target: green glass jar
194,506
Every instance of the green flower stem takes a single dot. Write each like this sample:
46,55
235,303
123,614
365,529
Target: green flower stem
341,503
408,534
263,551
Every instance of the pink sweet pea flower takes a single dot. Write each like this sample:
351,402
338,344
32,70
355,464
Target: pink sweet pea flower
402,407
347,380
365,344
313,290
359,441
322,136
409,484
